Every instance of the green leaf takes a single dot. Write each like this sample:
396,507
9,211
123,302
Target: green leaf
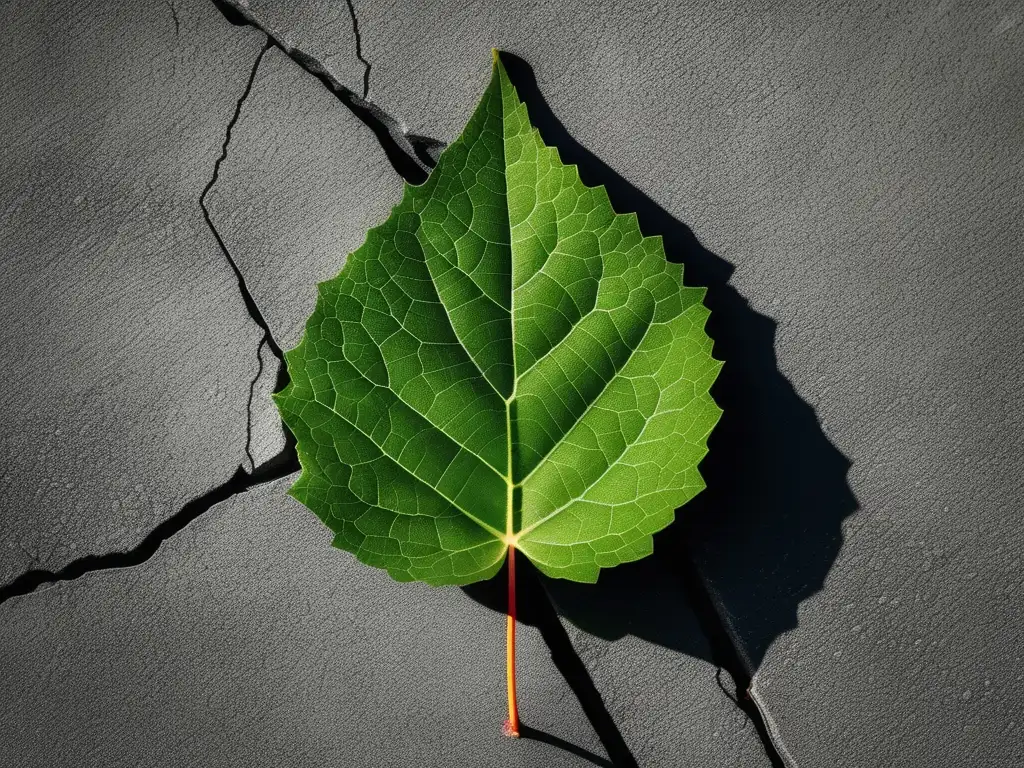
505,360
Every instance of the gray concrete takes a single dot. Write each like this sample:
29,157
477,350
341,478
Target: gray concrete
672,708
322,29
303,181
247,640
854,173
127,349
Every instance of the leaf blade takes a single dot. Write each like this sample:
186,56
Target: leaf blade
507,361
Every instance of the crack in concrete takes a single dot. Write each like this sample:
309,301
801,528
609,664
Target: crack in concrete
726,656
406,152
730,695
359,48
772,730
174,15
251,306
768,733
282,464
240,482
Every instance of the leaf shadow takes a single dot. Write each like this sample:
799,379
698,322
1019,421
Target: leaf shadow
764,534
544,737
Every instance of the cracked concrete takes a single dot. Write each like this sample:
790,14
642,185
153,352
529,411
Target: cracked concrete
303,182
405,151
669,706
249,641
127,348
323,29
254,426
859,167
359,49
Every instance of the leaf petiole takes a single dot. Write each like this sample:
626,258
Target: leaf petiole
511,726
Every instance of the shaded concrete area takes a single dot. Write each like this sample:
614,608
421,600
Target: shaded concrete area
672,708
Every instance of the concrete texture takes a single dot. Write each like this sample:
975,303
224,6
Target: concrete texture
672,708
247,640
845,179
127,349
302,183
323,29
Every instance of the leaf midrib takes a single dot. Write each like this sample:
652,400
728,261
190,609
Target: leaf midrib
511,537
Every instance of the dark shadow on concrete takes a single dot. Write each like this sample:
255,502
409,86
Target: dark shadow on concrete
526,732
726,579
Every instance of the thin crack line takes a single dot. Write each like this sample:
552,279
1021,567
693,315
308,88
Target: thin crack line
359,48
728,694
250,302
174,15
251,306
772,729
406,153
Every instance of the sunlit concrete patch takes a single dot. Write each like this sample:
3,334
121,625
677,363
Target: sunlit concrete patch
302,183
127,350
248,640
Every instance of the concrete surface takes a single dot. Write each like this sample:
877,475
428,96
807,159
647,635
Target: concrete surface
325,31
302,183
672,708
128,351
247,640
846,179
